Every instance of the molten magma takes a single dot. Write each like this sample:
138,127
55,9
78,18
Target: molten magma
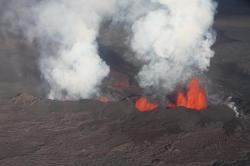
104,99
196,97
144,105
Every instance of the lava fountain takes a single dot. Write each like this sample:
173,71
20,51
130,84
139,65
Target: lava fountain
144,105
195,98
104,99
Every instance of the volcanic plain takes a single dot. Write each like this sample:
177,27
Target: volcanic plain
41,132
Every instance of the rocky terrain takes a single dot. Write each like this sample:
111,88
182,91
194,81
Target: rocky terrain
44,132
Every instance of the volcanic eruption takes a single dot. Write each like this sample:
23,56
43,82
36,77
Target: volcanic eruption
168,41
123,83
144,105
195,98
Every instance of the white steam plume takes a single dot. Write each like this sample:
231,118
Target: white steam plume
76,70
173,40
67,31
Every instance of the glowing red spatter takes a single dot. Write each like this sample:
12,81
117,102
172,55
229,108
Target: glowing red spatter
104,99
196,97
144,105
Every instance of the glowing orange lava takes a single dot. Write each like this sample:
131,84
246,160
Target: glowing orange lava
144,105
104,99
196,97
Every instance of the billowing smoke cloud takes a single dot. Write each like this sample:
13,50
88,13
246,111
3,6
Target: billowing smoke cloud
66,32
76,70
173,39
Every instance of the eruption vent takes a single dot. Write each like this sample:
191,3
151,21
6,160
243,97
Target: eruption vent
195,98
144,105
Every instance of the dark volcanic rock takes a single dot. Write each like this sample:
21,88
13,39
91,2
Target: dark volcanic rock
24,99
91,133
